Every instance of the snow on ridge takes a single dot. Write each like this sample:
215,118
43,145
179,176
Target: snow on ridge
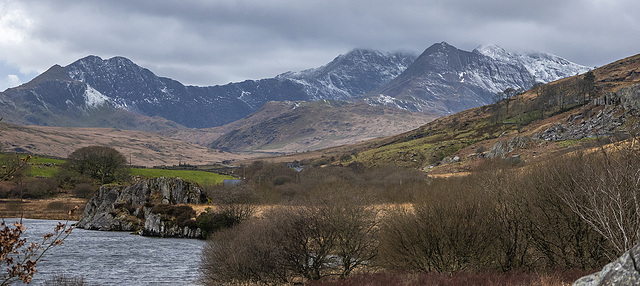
496,52
543,66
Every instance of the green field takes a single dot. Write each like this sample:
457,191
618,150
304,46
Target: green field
44,160
40,168
200,177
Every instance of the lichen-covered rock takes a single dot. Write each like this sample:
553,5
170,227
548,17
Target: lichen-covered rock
127,208
624,271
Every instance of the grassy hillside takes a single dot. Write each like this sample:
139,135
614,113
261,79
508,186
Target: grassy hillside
48,167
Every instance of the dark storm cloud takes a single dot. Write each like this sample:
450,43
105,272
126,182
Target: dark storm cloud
214,42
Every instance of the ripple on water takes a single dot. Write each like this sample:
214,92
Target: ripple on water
117,258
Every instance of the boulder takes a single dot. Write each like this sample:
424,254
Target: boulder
624,271
128,208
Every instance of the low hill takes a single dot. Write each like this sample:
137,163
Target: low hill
287,127
142,148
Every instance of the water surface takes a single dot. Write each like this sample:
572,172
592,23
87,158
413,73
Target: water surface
116,258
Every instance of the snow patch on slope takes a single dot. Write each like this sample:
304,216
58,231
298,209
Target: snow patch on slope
93,98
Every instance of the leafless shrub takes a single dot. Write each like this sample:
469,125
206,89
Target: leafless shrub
19,259
297,243
236,194
83,190
448,231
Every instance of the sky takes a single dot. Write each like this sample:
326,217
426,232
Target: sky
210,42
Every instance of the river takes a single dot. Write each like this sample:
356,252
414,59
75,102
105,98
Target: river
116,258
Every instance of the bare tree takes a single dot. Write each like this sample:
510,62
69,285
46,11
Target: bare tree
604,190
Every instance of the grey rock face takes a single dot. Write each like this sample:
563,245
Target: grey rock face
502,148
155,226
624,271
126,208
630,98
605,123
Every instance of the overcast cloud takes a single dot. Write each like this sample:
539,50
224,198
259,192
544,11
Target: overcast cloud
216,42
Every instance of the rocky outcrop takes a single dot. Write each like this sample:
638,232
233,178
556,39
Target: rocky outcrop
605,123
155,226
502,148
624,271
630,98
131,208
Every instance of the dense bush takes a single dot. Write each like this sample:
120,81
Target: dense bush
450,228
34,189
484,278
235,194
181,214
275,183
227,216
84,190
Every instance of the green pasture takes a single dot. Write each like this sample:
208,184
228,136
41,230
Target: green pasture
200,177
48,167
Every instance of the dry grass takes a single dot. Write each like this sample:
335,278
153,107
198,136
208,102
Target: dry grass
141,148
53,208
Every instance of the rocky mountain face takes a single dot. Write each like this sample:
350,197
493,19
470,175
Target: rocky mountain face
617,108
447,80
354,73
55,99
87,91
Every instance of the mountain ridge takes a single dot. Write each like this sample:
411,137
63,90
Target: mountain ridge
118,83
446,80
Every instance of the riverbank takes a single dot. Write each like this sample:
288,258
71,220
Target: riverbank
55,208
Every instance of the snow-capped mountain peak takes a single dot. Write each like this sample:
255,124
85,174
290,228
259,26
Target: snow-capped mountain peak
495,52
351,74
446,80
543,66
